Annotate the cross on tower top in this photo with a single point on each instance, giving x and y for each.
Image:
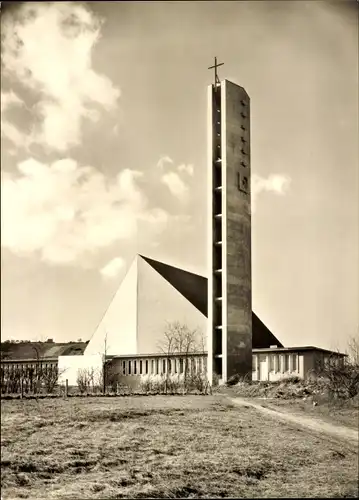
(216, 79)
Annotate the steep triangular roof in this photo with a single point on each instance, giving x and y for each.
(194, 288)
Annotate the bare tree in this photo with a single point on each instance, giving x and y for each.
(353, 350)
(179, 339)
(340, 376)
(50, 377)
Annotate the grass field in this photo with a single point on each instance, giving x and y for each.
(163, 447)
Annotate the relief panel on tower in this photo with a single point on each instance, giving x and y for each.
(243, 181)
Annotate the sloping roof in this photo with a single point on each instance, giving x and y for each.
(30, 350)
(194, 288)
(301, 349)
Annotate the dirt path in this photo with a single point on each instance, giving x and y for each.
(350, 436)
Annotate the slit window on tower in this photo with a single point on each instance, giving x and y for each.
(217, 341)
(218, 285)
(217, 177)
(218, 366)
(218, 257)
(217, 202)
(217, 230)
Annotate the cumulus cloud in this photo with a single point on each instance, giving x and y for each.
(9, 99)
(8, 129)
(65, 211)
(176, 185)
(274, 183)
(112, 268)
(48, 47)
(188, 169)
(163, 160)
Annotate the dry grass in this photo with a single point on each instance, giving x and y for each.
(163, 447)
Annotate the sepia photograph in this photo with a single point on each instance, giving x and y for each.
(179, 249)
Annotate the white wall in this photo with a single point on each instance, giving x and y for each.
(265, 371)
(120, 320)
(70, 365)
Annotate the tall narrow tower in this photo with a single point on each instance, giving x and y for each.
(229, 231)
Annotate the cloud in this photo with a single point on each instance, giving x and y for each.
(48, 47)
(8, 129)
(163, 160)
(188, 169)
(65, 211)
(9, 99)
(274, 183)
(176, 185)
(112, 268)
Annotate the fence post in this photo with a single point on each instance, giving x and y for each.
(66, 388)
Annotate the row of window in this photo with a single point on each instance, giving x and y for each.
(27, 366)
(162, 366)
(279, 362)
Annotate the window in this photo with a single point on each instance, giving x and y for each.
(135, 367)
(123, 367)
(286, 362)
(294, 366)
(193, 365)
(243, 164)
(243, 102)
(157, 366)
(169, 366)
(181, 365)
(254, 363)
(146, 366)
(129, 367)
(141, 367)
(175, 365)
(163, 366)
(271, 362)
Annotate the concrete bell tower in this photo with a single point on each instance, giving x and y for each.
(229, 231)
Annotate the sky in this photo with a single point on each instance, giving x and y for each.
(103, 155)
